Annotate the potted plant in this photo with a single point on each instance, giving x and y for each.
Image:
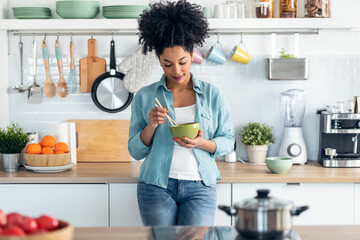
(257, 137)
(12, 141)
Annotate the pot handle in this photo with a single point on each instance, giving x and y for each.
(229, 210)
(298, 210)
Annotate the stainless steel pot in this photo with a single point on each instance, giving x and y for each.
(263, 216)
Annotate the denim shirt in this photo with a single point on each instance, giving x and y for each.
(213, 114)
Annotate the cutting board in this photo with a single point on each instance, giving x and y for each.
(90, 67)
(102, 140)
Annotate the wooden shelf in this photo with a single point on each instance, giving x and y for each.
(229, 26)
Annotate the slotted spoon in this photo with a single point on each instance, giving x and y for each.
(62, 89)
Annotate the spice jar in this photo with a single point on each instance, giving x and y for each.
(317, 8)
(288, 8)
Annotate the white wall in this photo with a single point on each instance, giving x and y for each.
(334, 76)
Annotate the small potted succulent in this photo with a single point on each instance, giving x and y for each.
(257, 137)
(12, 141)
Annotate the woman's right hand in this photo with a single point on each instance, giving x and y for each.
(157, 116)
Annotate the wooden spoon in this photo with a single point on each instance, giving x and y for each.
(49, 87)
(61, 86)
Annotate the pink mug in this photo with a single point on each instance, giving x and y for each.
(197, 57)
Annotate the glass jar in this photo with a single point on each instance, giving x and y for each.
(271, 6)
(317, 8)
(288, 8)
(262, 9)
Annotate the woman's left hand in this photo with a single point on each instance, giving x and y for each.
(191, 143)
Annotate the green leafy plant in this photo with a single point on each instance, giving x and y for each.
(256, 133)
(283, 54)
(12, 139)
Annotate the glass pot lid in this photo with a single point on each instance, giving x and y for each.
(262, 202)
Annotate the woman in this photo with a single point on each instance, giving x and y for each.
(177, 181)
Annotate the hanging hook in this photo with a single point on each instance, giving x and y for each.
(57, 37)
(92, 35)
(33, 37)
(71, 37)
(112, 35)
(218, 37)
(241, 39)
(20, 37)
(44, 37)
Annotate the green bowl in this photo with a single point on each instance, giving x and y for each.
(279, 164)
(189, 130)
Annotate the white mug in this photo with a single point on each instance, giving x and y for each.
(231, 157)
(219, 11)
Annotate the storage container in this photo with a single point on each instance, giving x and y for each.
(317, 8)
(288, 8)
(264, 8)
(288, 68)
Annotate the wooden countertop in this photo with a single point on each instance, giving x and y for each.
(237, 172)
(132, 233)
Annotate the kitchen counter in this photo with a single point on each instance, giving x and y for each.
(132, 233)
(237, 172)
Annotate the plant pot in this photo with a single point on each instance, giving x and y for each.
(257, 153)
(10, 161)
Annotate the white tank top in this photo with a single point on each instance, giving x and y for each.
(184, 164)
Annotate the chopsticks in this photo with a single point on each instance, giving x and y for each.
(172, 122)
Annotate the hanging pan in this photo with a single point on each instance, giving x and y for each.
(107, 91)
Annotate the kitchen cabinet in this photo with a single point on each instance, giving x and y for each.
(223, 197)
(357, 204)
(84, 205)
(323, 200)
(124, 210)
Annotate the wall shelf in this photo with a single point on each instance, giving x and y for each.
(223, 26)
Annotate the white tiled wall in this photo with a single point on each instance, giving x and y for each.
(334, 76)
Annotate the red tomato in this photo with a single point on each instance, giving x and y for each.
(13, 231)
(47, 222)
(28, 224)
(13, 218)
(3, 219)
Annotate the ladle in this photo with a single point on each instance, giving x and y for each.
(21, 87)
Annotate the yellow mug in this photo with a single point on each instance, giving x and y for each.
(239, 55)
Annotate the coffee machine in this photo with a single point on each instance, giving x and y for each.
(338, 139)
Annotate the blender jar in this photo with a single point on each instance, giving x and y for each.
(293, 102)
(317, 8)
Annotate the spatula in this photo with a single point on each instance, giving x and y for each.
(72, 83)
(34, 90)
(49, 87)
(62, 89)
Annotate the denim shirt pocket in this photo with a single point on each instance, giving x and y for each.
(206, 125)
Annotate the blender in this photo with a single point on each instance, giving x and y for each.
(293, 144)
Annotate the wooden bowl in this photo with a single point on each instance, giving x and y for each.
(65, 232)
(47, 160)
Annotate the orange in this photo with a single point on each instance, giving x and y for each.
(33, 148)
(47, 150)
(48, 141)
(61, 146)
(59, 152)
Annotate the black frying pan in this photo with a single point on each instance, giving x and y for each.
(107, 91)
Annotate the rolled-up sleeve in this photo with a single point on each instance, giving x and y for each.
(137, 149)
(224, 135)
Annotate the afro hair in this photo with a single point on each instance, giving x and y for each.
(169, 24)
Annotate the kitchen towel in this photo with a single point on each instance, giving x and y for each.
(66, 132)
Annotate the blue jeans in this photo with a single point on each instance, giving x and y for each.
(183, 202)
